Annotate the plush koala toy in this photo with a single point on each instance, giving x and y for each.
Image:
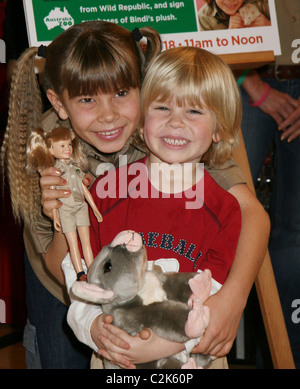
(168, 303)
(249, 12)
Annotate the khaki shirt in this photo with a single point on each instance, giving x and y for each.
(73, 175)
(37, 239)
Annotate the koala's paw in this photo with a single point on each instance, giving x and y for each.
(191, 364)
(198, 320)
(200, 286)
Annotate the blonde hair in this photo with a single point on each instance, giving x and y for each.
(196, 76)
(87, 58)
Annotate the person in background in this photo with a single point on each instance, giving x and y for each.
(271, 118)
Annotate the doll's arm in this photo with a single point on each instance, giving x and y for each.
(90, 200)
(56, 220)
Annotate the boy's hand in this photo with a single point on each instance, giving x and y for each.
(109, 340)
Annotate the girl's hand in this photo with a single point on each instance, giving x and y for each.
(260, 21)
(50, 178)
(236, 21)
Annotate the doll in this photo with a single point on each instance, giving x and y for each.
(61, 148)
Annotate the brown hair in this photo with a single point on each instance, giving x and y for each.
(90, 57)
(39, 156)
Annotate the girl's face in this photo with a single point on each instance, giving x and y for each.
(230, 7)
(62, 149)
(178, 134)
(105, 121)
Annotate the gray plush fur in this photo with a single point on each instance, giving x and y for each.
(141, 299)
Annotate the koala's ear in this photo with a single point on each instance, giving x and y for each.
(91, 292)
(131, 239)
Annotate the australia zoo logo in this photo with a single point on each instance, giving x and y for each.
(58, 18)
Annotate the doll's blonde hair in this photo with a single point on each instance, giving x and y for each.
(198, 77)
(87, 58)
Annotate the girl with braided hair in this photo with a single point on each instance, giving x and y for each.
(89, 68)
(92, 76)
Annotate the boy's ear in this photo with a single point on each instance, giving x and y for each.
(57, 104)
(216, 137)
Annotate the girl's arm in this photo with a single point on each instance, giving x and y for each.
(228, 304)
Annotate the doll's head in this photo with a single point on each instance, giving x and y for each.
(41, 149)
(200, 78)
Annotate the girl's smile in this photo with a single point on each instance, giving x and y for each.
(105, 121)
(230, 7)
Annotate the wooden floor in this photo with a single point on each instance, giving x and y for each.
(12, 352)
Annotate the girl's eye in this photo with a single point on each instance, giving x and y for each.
(86, 100)
(122, 93)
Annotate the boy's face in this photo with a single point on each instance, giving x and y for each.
(105, 121)
(230, 7)
(178, 134)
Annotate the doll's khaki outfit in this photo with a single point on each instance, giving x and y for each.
(74, 211)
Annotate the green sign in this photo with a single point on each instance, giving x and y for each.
(176, 21)
(51, 17)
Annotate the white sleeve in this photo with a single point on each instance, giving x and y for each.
(80, 314)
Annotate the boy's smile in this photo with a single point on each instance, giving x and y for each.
(178, 134)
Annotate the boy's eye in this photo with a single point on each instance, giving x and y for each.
(195, 111)
(162, 108)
